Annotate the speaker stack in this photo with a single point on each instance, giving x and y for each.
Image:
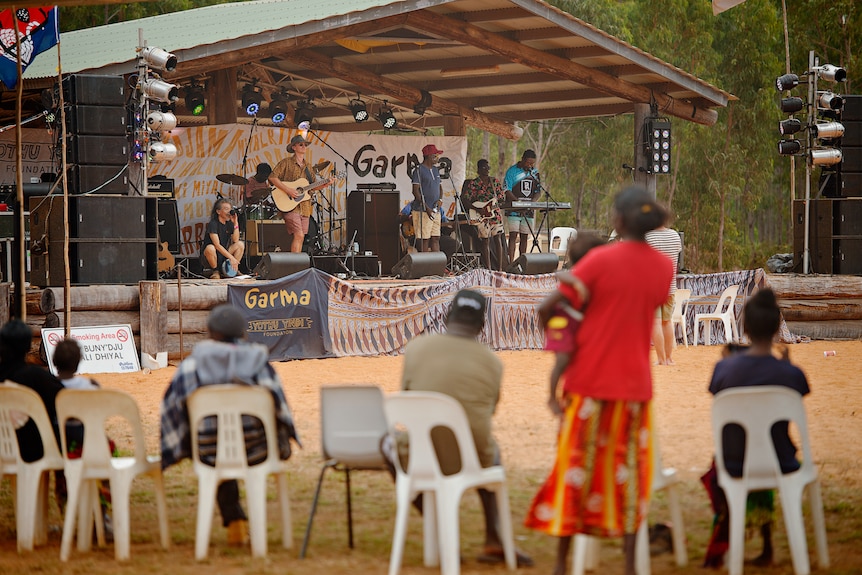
(372, 214)
(98, 142)
(112, 240)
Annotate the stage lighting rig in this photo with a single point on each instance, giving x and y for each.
(657, 139)
(358, 109)
(278, 107)
(161, 151)
(251, 98)
(304, 112)
(195, 101)
(158, 59)
(386, 117)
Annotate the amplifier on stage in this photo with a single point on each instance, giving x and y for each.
(160, 187)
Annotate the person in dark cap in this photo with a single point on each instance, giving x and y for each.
(427, 195)
(472, 375)
(257, 188)
(226, 357)
(286, 178)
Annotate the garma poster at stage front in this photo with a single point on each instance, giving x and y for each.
(289, 315)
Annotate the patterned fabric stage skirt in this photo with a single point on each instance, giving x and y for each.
(601, 480)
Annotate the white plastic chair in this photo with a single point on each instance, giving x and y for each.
(352, 423)
(756, 409)
(677, 318)
(560, 238)
(585, 552)
(93, 407)
(17, 403)
(726, 317)
(419, 412)
(228, 403)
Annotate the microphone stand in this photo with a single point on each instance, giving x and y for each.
(331, 211)
(347, 163)
(245, 153)
(350, 272)
(548, 201)
(459, 240)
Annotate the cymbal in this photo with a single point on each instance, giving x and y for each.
(321, 165)
(232, 179)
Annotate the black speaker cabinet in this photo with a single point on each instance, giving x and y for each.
(279, 264)
(99, 150)
(847, 217)
(851, 185)
(852, 110)
(819, 218)
(94, 216)
(95, 90)
(264, 236)
(98, 120)
(534, 264)
(87, 178)
(851, 159)
(373, 216)
(169, 225)
(415, 266)
(847, 256)
(96, 262)
(852, 133)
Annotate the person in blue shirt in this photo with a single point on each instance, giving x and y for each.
(427, 192)
(521, 183)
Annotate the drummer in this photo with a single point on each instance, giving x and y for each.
(257, 188)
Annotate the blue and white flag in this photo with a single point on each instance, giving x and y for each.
(32, 30)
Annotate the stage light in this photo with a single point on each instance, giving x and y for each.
(304, 112)
(831, 73)
(786, 82)
(825, 156)
(830, 101)
(278, 107)
(423, 104)
(791, 105)
(159, 59)
(251, 98)
(789, 147)
(789, 126)
(359, 110)
(829, 130)
(657, 141)
(195, 99)
(386, 117)
(161, 151)
(158, 121)
(161, 91)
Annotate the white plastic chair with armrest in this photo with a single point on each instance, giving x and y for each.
(585, 555)
(352, 423)
(420, 412)
(229, 403)
(560, 238)
(680, 305)
(17, 403)
(756, 410)
(93, 407)
(726, 317)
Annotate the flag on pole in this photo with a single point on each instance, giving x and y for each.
(719, 6)
(34, 29)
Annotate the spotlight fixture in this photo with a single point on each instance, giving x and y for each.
(161, 91)
(304, 112)
(829, 130)
(158, 121)
(358, 109)
(786, 82)
(278, 107)
(159, 59)
(251, 98)
(789, 126)
(161, 151)
(195, 99)
(830, 101)
(831, 73)
(791, 105)
(789, 147)
(657, 141)
(386, 117)
(824, 156)
(423, 104)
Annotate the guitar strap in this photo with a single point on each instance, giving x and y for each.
(308, 174)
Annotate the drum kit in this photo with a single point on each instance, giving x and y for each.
(259, 206)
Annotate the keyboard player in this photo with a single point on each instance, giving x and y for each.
(521, 183)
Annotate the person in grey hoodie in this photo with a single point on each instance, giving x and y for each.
(226, 357)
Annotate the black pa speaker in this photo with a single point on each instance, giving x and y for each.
(534, 264)
(415, 266)
(169, 225)
(279, 264)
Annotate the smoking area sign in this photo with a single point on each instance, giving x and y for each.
(104, 349)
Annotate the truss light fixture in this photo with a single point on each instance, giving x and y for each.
(195, 102)
(658, 140)
(158, 121)
(824, 156)
(386, 117)
(830, 101)
(161, 151)
(791, 105)
(831, 73)
(423, 104)
(789, 126)
(789, 147)
(278, 107)
(786, 82)
(304, 112)
(251, 98)
(161, 91)
(358, 109)
(829, 130)
(159, 59)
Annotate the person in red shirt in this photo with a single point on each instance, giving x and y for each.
(600, 483)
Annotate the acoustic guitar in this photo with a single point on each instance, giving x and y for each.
(285, 203)
(166, 259)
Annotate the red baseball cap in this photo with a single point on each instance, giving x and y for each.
(430, 149)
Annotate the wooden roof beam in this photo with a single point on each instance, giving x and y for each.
(408, 95)
(538, 60)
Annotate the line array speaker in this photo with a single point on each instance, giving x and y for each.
(415, 266)
(99, 150)
(98, 90)
(98, 120)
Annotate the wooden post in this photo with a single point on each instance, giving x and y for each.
(5, 301)
(154, 324)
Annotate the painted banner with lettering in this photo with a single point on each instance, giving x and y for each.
(289, 316)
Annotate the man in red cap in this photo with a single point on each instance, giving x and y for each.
(427, 194)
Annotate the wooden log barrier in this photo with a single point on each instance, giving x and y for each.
(154, 324)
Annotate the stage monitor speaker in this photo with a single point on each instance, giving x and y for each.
(97, 90)
(100, 150)
(279, 264)
(415, 266)
(169, 225)
(373, 216)
(102, 179)
(98, 120)
(534, 264)
(265, 236)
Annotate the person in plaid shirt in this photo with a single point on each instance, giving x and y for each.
(224, 358)
(482, 197)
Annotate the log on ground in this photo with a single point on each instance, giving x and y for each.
(839, 329)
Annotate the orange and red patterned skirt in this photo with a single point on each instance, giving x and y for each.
(601, 480)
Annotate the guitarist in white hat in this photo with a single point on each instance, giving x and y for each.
(291, 178)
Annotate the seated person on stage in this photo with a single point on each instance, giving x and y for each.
(408, 232)
(226, 357)
(257, 188)
(221, 241)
